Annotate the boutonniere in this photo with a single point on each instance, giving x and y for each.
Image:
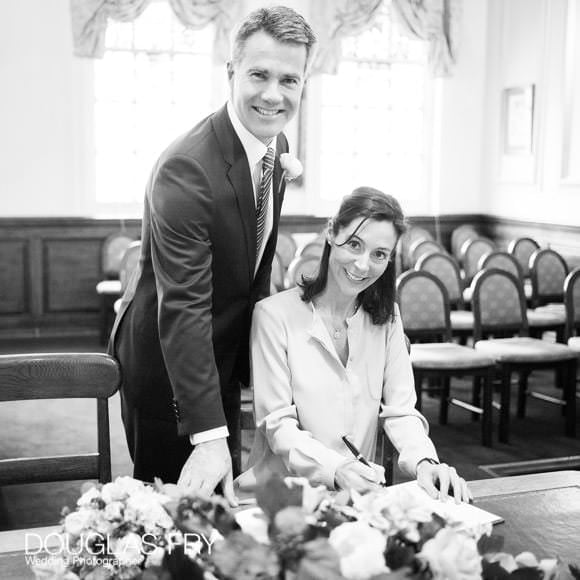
(291, 168)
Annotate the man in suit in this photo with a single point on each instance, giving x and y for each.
(209, 233)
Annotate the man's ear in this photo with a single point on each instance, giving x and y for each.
(230, 69)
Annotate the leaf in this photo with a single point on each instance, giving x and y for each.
(493, 571)
(490, 544)
(275, 495)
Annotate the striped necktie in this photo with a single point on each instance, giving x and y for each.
(263, 196)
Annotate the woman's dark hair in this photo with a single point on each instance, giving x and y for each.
(371, 204)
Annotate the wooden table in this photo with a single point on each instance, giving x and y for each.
(541, 512)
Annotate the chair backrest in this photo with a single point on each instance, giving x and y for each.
(459, 236)
(424, 306)
(129, 263)
(471, 252)
(278, 272)
(522, 250)
(313, 248)
(548, 270)
(60, 376)
(302, 267)
(446, 268)
(412, 235)
(498, 304)
(422, 247)
(285, 248)
(572, 302)
(112, 251)
(502, 261)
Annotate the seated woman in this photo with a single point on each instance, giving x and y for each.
(329, 359)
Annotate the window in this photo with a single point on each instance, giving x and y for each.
(372, 119)
(152, 85)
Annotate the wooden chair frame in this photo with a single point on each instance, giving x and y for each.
(60, 376)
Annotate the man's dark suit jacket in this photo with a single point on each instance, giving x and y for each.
(183, 328)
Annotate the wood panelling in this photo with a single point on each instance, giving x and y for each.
(71, 267)
(49, 267)
(14, 287)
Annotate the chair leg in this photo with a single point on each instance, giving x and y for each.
(476, 396)
(104, 441)
(487, 418)
(504, 414)
(570, 398)
(444, 403)
(522, 393)
(418, 389)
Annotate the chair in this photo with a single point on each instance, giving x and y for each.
(109, 289)
(548, 270)
(302, 266)
(277, 273)
(471, 252)
(412, 235)
(459, 236)
(446, 268)
(424, 306)
(540, 319)
(572, 303)
(60, 376)
(313, 248)
(499, 309)
(130, 262)
(420, 248)
(285, 248)
(522, 249)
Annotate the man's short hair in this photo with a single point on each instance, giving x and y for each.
(280, 22)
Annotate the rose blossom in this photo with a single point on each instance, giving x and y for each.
(121, 488)
(87, 497)
(149, 506)
(361, 550)
(291, 166)
(128, 550)
(452, 556)
(77, 521)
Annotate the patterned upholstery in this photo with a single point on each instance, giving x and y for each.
(422, 303)
(472, 252)
(524, 350)
(412, 235)
(522, 249)
(499, 301)
(548, 271)
(446, 269)
(459, 236)
(285, 248)
(572, 304)
(422, 248)
(502, 261)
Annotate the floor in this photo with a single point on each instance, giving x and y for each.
(61, 427)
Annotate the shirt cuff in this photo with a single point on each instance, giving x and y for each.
(210, 435)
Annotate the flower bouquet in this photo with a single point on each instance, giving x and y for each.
(129, 530)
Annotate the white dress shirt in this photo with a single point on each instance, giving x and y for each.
(255, 151)
(305, 399)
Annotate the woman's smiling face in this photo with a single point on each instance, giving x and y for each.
(358, 259)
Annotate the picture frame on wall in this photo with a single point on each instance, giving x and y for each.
(518, 120)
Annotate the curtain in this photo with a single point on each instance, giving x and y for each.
(89, 20)
(435, 21)
(333, 20)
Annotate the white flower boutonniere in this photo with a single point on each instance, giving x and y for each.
(291, 168)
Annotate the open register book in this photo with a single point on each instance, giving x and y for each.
(468, 515)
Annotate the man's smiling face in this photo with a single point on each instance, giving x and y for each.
(266, 84)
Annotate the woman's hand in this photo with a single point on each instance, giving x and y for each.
(355, 475)
(441, 481)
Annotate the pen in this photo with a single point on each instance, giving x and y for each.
(355, 451)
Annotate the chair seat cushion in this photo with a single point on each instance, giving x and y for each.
(540, 317)
(574, 343)
(447, 356)
(109, 287)
(524, 350)
(461, 320)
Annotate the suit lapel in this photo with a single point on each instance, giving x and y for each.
(240, 180)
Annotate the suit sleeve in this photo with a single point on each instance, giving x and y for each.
(404, 425)
(181, 217)
(276, 413)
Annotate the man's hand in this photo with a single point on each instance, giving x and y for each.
(354, 475)
(208, 464)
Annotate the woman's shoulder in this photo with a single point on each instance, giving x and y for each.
(285, 303)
